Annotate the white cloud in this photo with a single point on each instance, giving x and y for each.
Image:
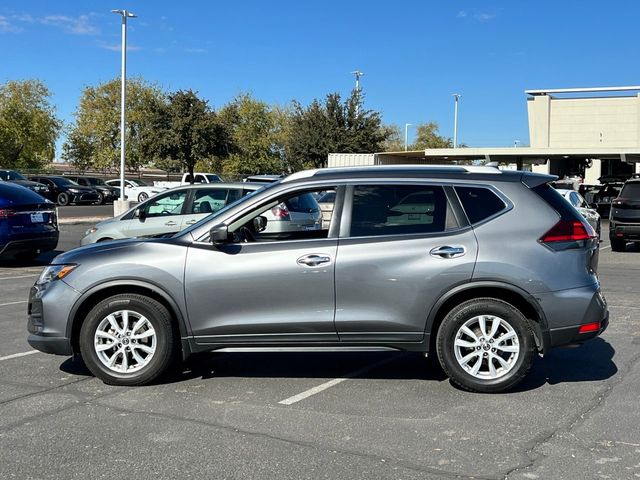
(461, 14)
(196, 50)
(73, 25)
(117, 47)
(7, 27)
(484, 17)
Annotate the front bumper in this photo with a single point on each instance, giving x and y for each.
(48, 315)
(84, 197)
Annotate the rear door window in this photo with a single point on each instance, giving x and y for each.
(479, 203)
(398, 209)
(210, 200)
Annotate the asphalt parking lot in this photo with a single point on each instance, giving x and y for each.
(318, 415)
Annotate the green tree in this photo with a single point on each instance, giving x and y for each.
(28, 125)
(427, 136)
(394, 141)
(94, 139)
(188, 132)
(333, 126)
(258, 134)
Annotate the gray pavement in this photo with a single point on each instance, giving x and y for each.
(575, 416)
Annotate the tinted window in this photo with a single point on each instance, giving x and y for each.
(574, 199)
(304, 203)
(479, 203)
(631, 190)
(328, 197)
(10, 175)
(398, 209)
(63, 182)
(11, 194)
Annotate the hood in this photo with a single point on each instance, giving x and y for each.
(78, 254)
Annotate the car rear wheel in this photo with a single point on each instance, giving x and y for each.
(128, 339)
(63, 199)
(142, 197)
(618, 245)
(485, 345)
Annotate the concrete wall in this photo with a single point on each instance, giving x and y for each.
(351, 159)
(584, 122)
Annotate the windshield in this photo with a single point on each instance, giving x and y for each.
(62, 181)
(213, 178)
(631, 190)
(10, 175)
(139, 183)
(208, 218)
(95, 181)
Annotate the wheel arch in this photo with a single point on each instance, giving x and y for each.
(99, 292)
(512, 294)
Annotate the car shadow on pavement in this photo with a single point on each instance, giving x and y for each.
(590, 362)
(371, 365)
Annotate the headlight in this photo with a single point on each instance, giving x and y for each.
(73, 190)
(55, 272)
(90, 231)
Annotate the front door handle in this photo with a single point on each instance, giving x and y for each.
(447, 251)
(171, 223)
(314, 260)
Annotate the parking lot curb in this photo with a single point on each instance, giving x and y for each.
(76, 220)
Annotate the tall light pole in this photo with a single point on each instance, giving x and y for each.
(406, 135)
(358, 74)
(456, 97)
(123, 97)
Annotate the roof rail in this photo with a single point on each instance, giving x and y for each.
(369, 168)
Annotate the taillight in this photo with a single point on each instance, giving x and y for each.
(569, 231)
(589, 327)
(6, 213)
(280, 211)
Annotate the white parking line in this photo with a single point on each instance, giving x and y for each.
(20, 276)
(334, 382)
(12, 303)
(604, 248)
(16, 355)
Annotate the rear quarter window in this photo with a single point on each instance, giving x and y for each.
(479, 203)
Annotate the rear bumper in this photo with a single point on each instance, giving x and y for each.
(571, 335)
(43, 244)
(624, 231)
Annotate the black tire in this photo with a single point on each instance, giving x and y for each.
(166, 346)
(28, 255)
(457, 317)
(618, 245)
(62, 199)
(142, 197)
(101, 199)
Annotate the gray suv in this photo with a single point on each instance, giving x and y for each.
(484, 268)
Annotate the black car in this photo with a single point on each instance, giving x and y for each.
(64, 191)
(28, 222)
(106, 192)
(14, 177)
(624, 221)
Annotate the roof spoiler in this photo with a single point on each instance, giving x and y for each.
(534, 179)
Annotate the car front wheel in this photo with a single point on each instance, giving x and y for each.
(128, 339)
(63, 199)
(485, 345)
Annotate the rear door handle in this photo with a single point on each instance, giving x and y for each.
(314, 260)
(447, 251)
(191, 222)
(171, 223)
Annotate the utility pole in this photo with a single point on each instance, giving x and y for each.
(357, 74)
(123, 205)
(456, 97)
(406, 135)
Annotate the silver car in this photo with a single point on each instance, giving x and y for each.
(590, 214)
(483, 269)
(169, 212)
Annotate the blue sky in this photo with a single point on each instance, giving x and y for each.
(414, 54)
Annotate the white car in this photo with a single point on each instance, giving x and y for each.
(136, 190)
(590, 214)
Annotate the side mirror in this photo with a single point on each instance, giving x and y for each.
(259, 223)
(142, 214)
(219, 234)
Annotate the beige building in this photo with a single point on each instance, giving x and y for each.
(585, 132)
